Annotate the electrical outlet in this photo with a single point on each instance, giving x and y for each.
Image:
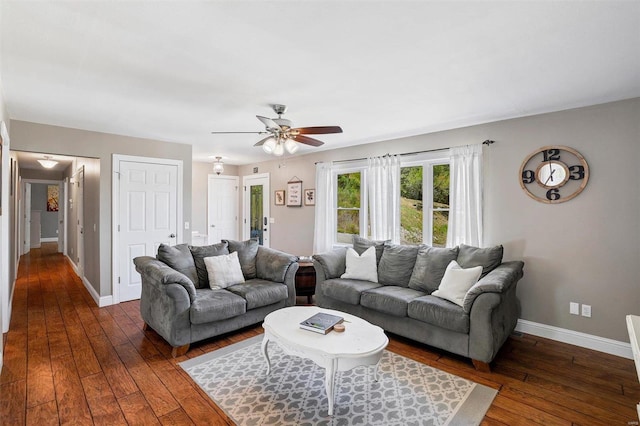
(574, 308)
(586, 311)
(186, 225)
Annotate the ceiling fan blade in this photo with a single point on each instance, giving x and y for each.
(269, 122)
(318, 130)
(233, 133)
(263, 140)
(307, 140)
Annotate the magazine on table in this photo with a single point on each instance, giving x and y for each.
(321, 323)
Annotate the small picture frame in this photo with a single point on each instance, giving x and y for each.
(294, 193)
(310, 197)
(279, 197)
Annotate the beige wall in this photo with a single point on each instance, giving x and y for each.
(584, 250)
(26, 136)
(201, 171)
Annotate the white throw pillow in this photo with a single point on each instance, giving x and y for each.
(224, 270)
(456, 282)
(361, 267)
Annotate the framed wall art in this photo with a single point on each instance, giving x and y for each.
(279, 197)
(309, 197)
(294, 193)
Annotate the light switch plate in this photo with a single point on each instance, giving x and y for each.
(186, 225)
(574, 308)
(586, 311)
(272, 220)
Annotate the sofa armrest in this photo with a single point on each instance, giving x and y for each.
(158, 273)
(500, 280)
(333, 263)
(273, 264)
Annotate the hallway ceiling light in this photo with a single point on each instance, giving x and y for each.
(47, 163)
(218, 166)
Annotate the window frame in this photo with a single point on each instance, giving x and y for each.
(428, 160)
(364, 201)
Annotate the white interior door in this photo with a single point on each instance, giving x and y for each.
(147, 217)
(27, 218)
(255, 221)
(222, 208)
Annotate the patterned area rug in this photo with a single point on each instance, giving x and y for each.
(408, 392)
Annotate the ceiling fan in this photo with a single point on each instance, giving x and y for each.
(282, 134)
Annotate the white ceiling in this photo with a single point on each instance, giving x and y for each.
(175, 71)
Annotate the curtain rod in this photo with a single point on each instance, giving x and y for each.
(488, 142)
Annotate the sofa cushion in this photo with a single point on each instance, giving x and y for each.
(361, 267)
(360, 245)
(389, 299)
(259, 292)
(396, 264)
(199, 253)
(179, 258)
(457, 282)
(247, 251)
(215, 305)
(439, 312)
(431, 263)
(346, 290)
(223, 270)
(489, 258)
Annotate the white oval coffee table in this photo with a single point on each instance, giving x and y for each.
(361, 344)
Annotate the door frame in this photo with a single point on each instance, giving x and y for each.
(246, 180)
(22, 208)
(211, 177)
(115, 209)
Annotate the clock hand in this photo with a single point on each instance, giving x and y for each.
(550, 177)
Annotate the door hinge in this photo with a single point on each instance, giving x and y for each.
(245, 188)
(118, 280)
(118, 228)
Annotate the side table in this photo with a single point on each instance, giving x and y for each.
(306, 280)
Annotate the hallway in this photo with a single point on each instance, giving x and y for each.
(70, 362)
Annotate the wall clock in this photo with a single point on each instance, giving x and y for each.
(554, 174)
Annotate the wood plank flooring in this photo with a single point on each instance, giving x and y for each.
(67, 361)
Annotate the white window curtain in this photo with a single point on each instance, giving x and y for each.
(383, 181)
(465, 210)
(325, 223)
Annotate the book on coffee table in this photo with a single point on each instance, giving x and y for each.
(321, 323)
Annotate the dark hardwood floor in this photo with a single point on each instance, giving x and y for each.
(67, 361)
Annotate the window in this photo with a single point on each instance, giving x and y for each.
(349, 201)
(424, 215)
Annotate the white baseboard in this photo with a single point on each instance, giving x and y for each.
(49, 240)
(577, 338)
(101, 301)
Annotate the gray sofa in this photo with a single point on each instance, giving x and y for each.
(401, 302)
(178, 303)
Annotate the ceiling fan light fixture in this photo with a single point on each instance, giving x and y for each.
(269, 146)
(218, 166)
(291, 146)
(278, 150)
(47, 163)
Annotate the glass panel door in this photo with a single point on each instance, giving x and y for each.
(256, 217)
(256, 201)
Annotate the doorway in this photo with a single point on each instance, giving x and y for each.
(256, 204)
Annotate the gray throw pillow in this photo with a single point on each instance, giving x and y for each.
(247, 251)
(199, 253)
(489, 258)
(396, 264)
(179, 258)
(360, 245)
(430, 266)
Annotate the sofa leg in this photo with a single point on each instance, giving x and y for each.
(481, 366)
(145, 327)
(179, 350)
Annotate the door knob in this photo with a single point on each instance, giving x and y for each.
(172, 236)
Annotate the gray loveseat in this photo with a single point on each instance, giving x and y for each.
(401, 302)
(178, 303)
